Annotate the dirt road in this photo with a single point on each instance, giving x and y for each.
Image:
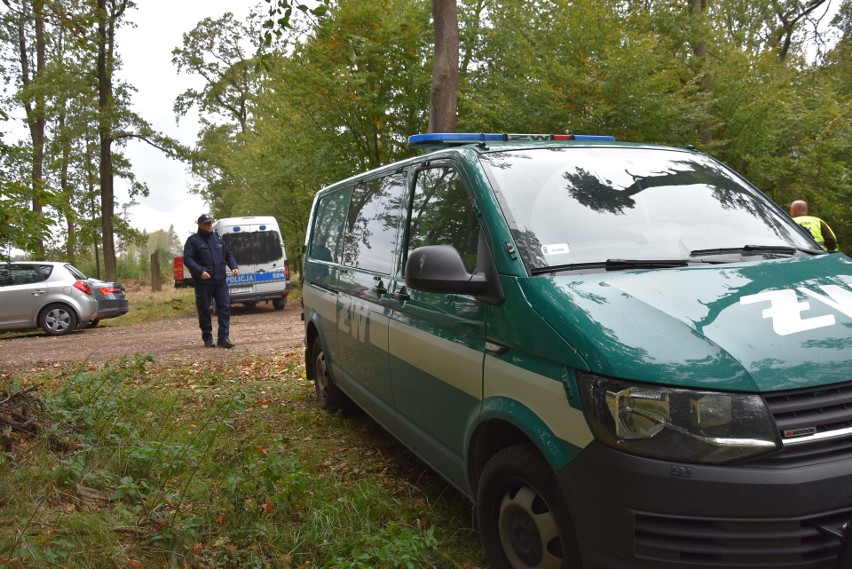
(259, 330)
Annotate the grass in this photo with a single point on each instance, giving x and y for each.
(147, 305)
(224, 465)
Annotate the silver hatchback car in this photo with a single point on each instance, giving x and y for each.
(55, 297)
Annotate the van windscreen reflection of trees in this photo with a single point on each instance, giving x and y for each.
(373, 223)
(442, 214)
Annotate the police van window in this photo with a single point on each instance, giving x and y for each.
(327, 236)
(373, 223)
(441, 214)
(254, 247)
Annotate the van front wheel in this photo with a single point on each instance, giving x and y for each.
(523, 519)
(329, 396)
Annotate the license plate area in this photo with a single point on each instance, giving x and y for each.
(240, 289)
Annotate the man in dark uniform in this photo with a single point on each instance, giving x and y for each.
(206, 256)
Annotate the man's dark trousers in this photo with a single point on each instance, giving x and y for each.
(204, 295)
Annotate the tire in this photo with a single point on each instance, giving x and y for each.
(57, 319)
(93, 323)
(279, 303)
(329, 396)
(523, 519)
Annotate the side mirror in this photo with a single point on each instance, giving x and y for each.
(439, 268)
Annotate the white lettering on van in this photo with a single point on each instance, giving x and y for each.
(353, 318)
(838, 298)
(786, 309)
(359, 321)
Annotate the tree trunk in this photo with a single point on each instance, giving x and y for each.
(445, 69)
(105, 40)
(35, 110)
(699, 31)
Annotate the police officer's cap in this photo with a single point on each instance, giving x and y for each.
(205, 218)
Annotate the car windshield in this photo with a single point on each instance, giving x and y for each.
(574, 206)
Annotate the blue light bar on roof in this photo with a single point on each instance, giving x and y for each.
(441, 139)
(594, 137)
(445, 139)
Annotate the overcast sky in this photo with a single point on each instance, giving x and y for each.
(146, 53)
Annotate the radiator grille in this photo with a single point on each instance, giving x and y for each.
(806, 543)
(820, 411)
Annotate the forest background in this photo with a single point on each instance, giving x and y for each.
(288, 106)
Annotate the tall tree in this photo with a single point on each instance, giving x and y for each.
(224, 53)
(443, 104)
(29, 15)
(445, 67)
(108, 14)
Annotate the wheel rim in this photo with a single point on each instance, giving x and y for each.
(57, 320)
(323, 380)
(528, 530)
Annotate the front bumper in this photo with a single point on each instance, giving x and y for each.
(638, 513)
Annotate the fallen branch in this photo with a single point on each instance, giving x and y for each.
(22, 412)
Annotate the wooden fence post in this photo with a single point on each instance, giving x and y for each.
(156, 281)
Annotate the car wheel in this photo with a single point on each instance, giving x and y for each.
(329, 396)
(523, 519)
(279, 303)
(57, 319)
(94, 323)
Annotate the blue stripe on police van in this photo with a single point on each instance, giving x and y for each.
(252, 278)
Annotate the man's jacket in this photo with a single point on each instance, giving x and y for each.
(207, 252)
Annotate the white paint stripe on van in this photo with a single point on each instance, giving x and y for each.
(543, 395)
(379, 330)
(323, 302)
(448, 361)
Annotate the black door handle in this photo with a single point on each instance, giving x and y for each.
(380, 289)
(402, 295)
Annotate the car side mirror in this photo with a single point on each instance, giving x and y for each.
(440, 268)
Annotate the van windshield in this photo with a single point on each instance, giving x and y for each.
(575, 206)
(254, 247)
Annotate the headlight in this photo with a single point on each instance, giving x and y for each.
(677, 424)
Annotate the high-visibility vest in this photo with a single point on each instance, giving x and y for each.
(814, 227)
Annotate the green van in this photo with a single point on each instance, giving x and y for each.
(625, 355)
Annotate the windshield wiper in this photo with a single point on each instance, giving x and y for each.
(614, 265)
(754, 250)
(621, 264)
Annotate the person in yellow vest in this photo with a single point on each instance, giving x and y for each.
(820, 230)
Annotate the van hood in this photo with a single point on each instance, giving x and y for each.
(761, 326)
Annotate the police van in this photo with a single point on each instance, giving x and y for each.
(256, 244)
(625, 355)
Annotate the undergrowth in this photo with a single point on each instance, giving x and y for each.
(221, 465)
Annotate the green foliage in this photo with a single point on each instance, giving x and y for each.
(303, 95)
(345, 88)
(392, 546)
(140, 463)
(343, 101)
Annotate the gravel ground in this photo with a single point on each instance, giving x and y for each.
(258, 330)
